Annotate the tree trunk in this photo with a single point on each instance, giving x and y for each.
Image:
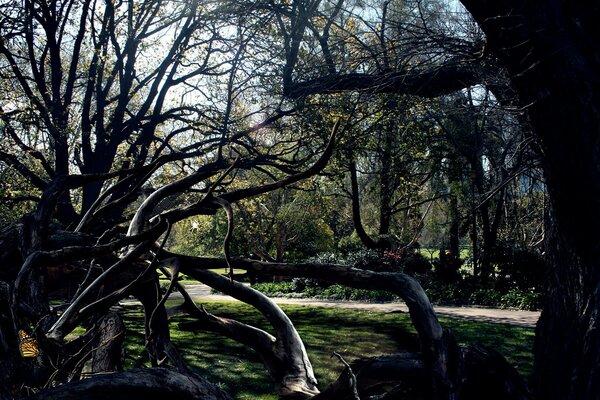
(486, 375)
(108, 343)
(10, 360)
(369, 242)
(386, 187)
(454, 226)
(567, 347)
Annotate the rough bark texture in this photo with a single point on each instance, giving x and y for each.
(10, 361)
(551, 52)
(486, 375)
(375, 376)
(107, 344)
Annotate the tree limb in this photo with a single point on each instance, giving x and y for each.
(144, 383)
(449, 77)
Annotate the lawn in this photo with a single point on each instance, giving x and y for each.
(351, 333)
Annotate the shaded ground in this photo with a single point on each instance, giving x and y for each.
(511, 317)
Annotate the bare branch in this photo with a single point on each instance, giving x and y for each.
(447, 78)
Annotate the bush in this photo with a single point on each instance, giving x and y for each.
(276, 289)
(446, 293)
(306, 288)
(522, 300)
(485, 297)
(517, 267)
(350, 244)
(464, 291)
(469, 291)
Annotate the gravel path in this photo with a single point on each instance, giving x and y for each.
(512, 317)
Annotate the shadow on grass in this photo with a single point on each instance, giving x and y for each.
(351, 333)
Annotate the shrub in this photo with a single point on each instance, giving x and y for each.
(275, 288)
(518, 267)
(465, 291)
(485, 297)
(523, 300)
(446, 293)
(301, 287)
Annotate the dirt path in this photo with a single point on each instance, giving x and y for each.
(512, 317)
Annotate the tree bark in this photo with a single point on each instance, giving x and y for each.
(107, 344)
(486, 375)
(136, 383)
(369, 242)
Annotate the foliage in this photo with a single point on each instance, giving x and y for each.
(521, 268)
(301, 225)
(402, 260)
(350, 244)
(120, 121)
(279, 224)
(459, 293)
(322, 291)
(471, 291)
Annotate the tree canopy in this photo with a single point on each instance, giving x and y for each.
(175, 137)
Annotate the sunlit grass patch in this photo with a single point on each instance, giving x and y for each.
(513, 342)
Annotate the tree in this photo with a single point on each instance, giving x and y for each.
(97, 111)
(108, 118)
(555, 75)
(487, 151)
(393, 156)
(550, 60)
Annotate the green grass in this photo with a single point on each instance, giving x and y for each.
(351, 333)
(184, 279)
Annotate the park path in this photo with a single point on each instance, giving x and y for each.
(512, 317)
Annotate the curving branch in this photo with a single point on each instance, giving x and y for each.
(436, 345)
(145, 383)
(285, 357)
(227, 240)
(77, 310)
(369, 242)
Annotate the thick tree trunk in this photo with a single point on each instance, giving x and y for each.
(107, 344)
(567, 348)
(10, 360)
(486, 375)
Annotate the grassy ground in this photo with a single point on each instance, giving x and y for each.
(351, 333)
